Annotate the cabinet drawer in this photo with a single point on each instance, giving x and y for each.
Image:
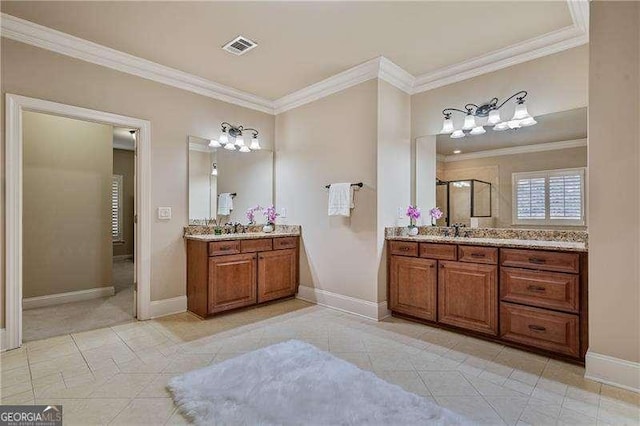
(553, 290)
(544, 260)
(552, 331)
(252, 246)
(438, 251)
(403, 248)
(285, 243)
(477, 254)
(217, 248)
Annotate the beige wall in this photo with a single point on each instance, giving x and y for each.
(66, 205)
(555, 83)
(394, 157)
(124, 164)
(498, 171)
(614, 178)
(173, 114)
(332, 140)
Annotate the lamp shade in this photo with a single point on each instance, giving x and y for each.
(501, 126)
(529, 121)
(478, 130)
(239, 141)
(447, 126)
(230, 147)
(457, 134)
(244, 148)
(224, 138)
(255, 144)
(520, 112)
(214, 143)
(494, 117)
(514, 124)
(469, 122)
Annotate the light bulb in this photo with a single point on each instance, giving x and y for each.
(244, 148)
(255, 144)
(457, 151)
(457, 134)
(501, 126)
(529, 121)
(214, 170)
(214, 143)
(239, 141)
(478, 130)
(520, 112)
(494, 117)
(469, 122)
(224, 138)
(447, 126)
(230, 147)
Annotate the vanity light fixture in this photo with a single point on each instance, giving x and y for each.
(491, 110)
(235, 132)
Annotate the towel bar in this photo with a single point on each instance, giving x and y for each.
(233, 194)
(359, 185)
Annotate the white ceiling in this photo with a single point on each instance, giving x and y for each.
(559, 126)
(300, 43)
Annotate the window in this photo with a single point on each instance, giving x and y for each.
(552, 197)
(116, 209)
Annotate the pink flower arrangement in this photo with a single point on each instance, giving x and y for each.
(435, 214)
(413, 213)
(251, 214)
(271, 215)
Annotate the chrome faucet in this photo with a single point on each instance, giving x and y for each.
(456, 227)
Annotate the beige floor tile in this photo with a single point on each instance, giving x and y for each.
(13, 359)
(359, 359)
(88, 411)
(177, 419)
(487, 388)
(95, 338)
(619, 394)
(154, 363)
(73, 364)
(23, 398)
(117, 352)
(384, 361)
(187, 362)
(573, 418)
(616, 412)
(474, 408)
(508, 408)
(123, 386)
(538, 417)
(55, 351)
(47, 343)
(589, 409)
(145, 411)
(157, 388)
(408, 380)
(447, 383)
(13, 377)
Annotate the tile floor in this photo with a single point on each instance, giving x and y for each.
(117, 375)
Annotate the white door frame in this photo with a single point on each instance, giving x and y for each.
(15, 105)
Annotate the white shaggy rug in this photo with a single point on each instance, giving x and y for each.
(294, 383)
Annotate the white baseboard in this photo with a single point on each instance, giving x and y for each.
(3, 340)
(352, 305)
(175, 305)
(613, 371)
(123, 257)
(71, 296)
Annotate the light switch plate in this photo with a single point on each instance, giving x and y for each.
(400, 213)
(283, 212)
(164, 213)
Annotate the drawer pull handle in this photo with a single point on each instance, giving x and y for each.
(537, 260)
(537, 288)
(477, 255)
(534, 327)
(404, 248)
(225, 248)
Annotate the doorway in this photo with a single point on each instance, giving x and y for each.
(16, 108)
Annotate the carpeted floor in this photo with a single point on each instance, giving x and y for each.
(49, 321)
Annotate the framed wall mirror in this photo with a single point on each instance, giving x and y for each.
(223, 184)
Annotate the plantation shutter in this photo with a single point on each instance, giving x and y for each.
(116, 208)
(565, 196)
(530, 198)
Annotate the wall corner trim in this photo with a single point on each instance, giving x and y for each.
(164, 307)
(612, 371)
(363, 308)
(67, 297)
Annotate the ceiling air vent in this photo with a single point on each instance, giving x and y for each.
(239, 45)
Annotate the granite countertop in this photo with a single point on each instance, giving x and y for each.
(245, 236)
(497, 242)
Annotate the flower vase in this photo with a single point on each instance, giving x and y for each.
(412, 230)
(267, 228)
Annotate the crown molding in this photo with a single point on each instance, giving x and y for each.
(40, 36)
(525, 149)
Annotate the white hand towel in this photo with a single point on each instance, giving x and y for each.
(225, 204)
(340, 199)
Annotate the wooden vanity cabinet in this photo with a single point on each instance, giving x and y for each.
(226, 275)
(529, 298)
